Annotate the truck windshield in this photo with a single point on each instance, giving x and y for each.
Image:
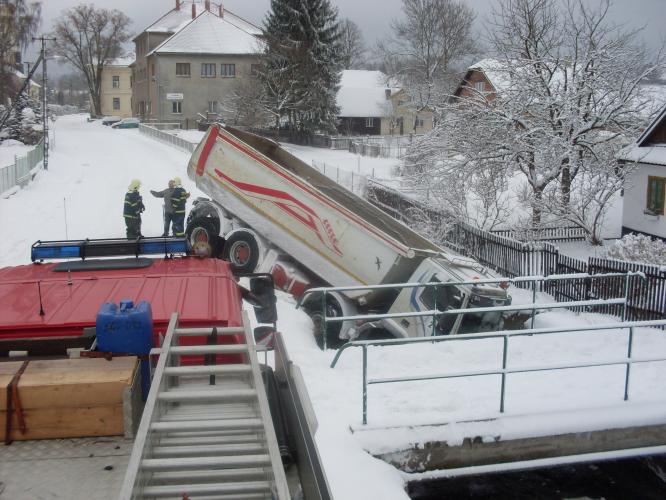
(446, 297)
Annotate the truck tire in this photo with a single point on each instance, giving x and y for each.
(242, 250)
(312, 308)
(202, 235)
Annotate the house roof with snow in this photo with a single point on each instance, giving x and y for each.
(650, 147)
(122, 61)
(363, 94)
(177, 18)
(210, 34)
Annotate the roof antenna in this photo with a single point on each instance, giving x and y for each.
(69, 269)
(39, 290)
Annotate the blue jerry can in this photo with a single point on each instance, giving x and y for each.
(126, 329)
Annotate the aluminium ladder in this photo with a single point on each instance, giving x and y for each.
(206, 430)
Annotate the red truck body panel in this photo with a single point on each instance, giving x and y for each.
(202, 291)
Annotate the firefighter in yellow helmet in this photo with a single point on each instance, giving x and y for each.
(178, 200)
(133, 209)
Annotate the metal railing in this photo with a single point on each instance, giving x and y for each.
(504, 371)
(435, 313)
(20, 173)
(156, 131)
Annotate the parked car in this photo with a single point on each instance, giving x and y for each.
(127, 123)
(110, 120)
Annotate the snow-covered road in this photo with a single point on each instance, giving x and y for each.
(82, 193)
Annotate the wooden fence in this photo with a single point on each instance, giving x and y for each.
(565, 233)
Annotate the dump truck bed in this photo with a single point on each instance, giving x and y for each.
(336, 234)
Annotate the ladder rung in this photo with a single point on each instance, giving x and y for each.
(207, 450)
(207, 369)
(235, 461)
(208, 349)
(207, 395)
(226, 439)
(207, 489)
(212, 475)
(207, 425)
(227, 330)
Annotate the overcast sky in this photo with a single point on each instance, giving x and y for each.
(372, 16)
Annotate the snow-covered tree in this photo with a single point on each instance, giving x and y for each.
(301, 63)
(567, 98)
(19, 20)
(429, 38)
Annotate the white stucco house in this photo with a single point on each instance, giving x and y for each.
(645, 189)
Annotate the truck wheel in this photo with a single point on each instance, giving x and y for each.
(313, 308)
(202, 235)
(242, 250)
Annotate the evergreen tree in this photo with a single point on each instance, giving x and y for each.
(15, 123)
(302, 64)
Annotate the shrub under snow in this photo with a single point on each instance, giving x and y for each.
(638, 248)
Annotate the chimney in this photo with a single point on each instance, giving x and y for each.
(194, 11)
(207, 4)
(177, 4)
(221, 10)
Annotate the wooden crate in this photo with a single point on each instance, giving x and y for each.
(74, 397)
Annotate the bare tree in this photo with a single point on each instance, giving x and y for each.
(430, 37)
(89, 38)
(351, 45)
(19, 21)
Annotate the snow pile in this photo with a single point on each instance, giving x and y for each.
(638, 248)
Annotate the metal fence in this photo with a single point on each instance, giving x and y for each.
(21, 172)
(628, 361)
(157, 131)
(353, 181)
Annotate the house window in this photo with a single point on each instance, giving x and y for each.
(418, 122)
(227, 70)
(255, 70)
(212, 106)
(116, 103)
(183, 69)
(177, 107)
(152, 69)
(369, 122)
(115, 81)
(479, 86)
(207, 70)
(655, 195)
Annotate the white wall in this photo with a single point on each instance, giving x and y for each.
(635, 201)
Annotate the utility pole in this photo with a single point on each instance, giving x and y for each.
(45, 109)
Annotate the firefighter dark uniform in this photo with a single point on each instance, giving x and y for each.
(178, 200)
(132, 210)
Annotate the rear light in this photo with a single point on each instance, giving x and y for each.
(504, 285)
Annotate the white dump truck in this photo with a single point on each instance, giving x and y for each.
(271, 212)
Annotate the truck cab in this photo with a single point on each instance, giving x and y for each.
(446, 297)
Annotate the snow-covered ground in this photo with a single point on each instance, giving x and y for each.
(88, 176)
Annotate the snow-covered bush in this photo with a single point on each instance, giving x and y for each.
(638, 248)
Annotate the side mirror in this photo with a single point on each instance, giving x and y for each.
(263, 298)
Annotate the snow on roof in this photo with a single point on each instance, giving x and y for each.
(363, 94)
(210, 34)
(125, 60)
(175, 20)
(496, 72)
(654, 155)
